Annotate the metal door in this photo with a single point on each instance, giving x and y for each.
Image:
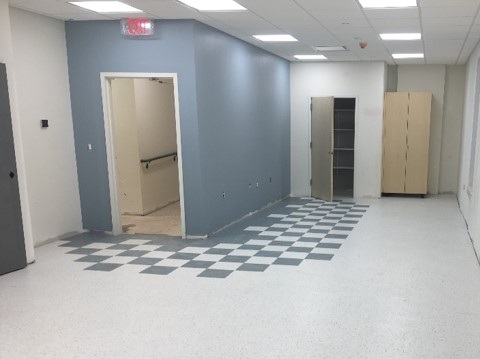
(12, 241)
(322, 148)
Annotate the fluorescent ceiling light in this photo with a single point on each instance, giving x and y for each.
(112, 7)
(410, 36)
(407, 56)
(330, 48)
(213, 5)
(386, 4)
(310, 57)
(275, 38)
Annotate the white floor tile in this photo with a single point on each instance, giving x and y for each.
(256, 229)
(225, 266)
(243, 252)
(136, 242)
(194, 250)
(261, 260)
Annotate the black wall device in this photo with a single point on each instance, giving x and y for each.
(44, 123)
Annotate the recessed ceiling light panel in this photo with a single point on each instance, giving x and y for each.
(110, 7)
(214, 5)
(330, 48)
(409, 36)
(408, 56)
(275, 38)
(310, 57)
(386, 4)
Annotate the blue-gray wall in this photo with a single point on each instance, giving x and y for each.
(243, 99)
(234, 113)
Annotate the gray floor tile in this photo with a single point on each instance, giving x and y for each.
(219, 251)
(234, 259)
(337, 236)
(104, 267)
(159, 270)
(288, 261)
(145, 261)
(198, 264)
(300, 249)
(249, 267)
(92, 259)
(320, 256)
(122, 247)
(83, 251)
(132, 253)
(253, 247)
(186, 256)
(215, 273)
(329, 245)
(271, 254)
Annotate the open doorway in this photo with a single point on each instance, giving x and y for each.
(332, 147)
(144, 153)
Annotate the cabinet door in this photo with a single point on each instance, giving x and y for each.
(418, 142)
(322, 148)
(394, 142)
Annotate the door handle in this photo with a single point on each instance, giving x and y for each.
(12, 175)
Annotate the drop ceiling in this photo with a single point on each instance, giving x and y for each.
(450, 28)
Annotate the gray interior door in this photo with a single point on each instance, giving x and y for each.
(322, 148)
(12, 242)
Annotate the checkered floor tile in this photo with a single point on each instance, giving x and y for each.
(298, 230)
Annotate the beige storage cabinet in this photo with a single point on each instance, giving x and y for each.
(406, 141)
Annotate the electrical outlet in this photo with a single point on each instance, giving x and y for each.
(270, 179)
(257, 184)
(223, 194)
(249, 186)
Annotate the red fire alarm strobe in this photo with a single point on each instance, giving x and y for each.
(138, 27)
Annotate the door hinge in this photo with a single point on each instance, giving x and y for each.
(310, 182)
(311, 107)
(311, 145)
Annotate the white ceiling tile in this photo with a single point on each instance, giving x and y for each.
(404, 47)
(447, 21)
(394, 23)
(453, 3)
(392, 14)
(446, 11)
(446, 30)
(166, 9)
(328, 4)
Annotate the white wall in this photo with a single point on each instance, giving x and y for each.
(469, 198)
(126, 146)
(366, 81)
(452, 128)
(43, 91)
(6, 56)
(431, 78)
(155, 104)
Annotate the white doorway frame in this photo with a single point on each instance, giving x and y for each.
(105, 78)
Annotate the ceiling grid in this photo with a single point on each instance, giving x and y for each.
(450, 28)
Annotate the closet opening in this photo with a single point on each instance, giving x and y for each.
(332, 148)
(344, 147)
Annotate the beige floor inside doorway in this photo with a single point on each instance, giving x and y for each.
(163, 221)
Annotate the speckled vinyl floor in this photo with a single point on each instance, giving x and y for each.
(405, 283)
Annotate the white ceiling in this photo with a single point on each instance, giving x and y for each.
(450, 28)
